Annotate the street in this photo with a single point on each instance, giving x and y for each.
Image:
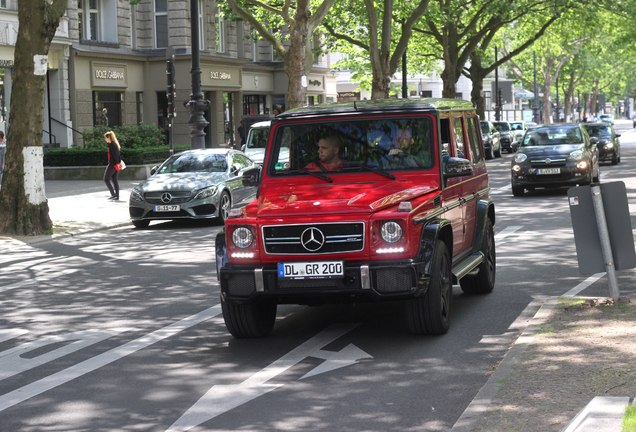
(121, 329)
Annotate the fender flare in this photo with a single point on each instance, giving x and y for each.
(485, 210)
(432, 232)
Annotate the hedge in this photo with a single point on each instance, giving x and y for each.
(75, 156)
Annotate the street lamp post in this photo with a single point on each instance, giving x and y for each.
(497, 97)
(197, 104)
(558, 106)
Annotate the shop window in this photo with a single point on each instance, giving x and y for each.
(162, 110)
(254, 104)
(108, 108)
(139, 102)
(161, 23)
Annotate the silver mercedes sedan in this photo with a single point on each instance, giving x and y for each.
(194, 184)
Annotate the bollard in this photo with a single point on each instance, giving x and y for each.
(599, 211)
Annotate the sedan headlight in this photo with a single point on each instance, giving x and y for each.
(520, 157)
(391, 232)
(576, 154)
(136, 194)
(609, 145)
(206, 192)
(242, 237)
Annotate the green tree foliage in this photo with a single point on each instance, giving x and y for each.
(289, 25)
(379, 31)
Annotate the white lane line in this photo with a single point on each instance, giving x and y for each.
(38, 387)
(586, 283)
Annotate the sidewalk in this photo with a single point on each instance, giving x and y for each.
(573, 369)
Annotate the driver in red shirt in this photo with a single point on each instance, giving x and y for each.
(328, 155)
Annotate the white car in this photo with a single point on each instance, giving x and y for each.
(256, 141)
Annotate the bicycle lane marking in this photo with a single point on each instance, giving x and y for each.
(38, 387)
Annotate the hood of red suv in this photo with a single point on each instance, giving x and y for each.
(337, 198)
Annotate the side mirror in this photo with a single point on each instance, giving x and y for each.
(457, 167)
(153, 170)
(243, 148)
(251, 176)
(618, 135)
(593, 140)
(235, 170)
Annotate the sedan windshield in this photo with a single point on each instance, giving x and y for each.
(194, 162)
(553, 136)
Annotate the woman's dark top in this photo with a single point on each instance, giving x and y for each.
(114, 157)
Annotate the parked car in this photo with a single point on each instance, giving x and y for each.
(532, 125)
(490, 136)
(195, 184)
(399, 217)
(606, 118)
(519, 128)
(554, 156)
(606, 139)
(256, 141)
(507, 136)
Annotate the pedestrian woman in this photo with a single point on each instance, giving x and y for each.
(114, 158)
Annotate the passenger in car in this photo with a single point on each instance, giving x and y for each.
(328, 155)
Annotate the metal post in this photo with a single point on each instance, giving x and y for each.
(197, 104)
(405, 87)
(497, 106)
(535, 101)
(558, 108)
(606, 248)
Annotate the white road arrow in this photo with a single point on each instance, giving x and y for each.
(222, 398)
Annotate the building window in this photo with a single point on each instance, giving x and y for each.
(108, 108)
(220, 30)
(139, 101)
(162, 110)
(426, 93)
(88, 15)
(254, 104)
(3, 4)
(202, 24)
(161, 23)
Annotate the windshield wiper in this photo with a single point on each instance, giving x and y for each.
(372, 169)
(313, 173)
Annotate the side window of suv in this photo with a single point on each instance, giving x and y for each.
(473, 136)
(458, 128)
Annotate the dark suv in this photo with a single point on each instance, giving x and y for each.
(363, 201)
(506, 135)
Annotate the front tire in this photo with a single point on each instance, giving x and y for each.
(430, 313)
(248, 320)
(484, 281)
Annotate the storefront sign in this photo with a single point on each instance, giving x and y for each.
(215, 76)
(108, 75)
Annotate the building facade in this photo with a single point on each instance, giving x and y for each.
(107, 66)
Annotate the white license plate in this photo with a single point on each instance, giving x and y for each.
(549, 171)
(167, 208)
(310, 270)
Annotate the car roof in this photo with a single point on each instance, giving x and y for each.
(205, 151)
(380, 105)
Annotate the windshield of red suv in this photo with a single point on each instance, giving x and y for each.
(349, 144)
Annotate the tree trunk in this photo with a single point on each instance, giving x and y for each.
(295, 64)
(23, 203)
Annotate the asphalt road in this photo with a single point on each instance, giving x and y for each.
(120, 329)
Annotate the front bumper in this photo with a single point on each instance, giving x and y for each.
(195, 209)
(569, 175)
(361, 281)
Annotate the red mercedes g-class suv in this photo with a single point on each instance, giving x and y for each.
(362, 201)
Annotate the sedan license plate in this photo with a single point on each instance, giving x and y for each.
(310, 270)
(167, 208)
(549, 171)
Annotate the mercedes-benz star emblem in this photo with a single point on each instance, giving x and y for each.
(312, 239)
(166, 197)
(548, 161)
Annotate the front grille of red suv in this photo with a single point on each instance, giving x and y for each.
(320, 238)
